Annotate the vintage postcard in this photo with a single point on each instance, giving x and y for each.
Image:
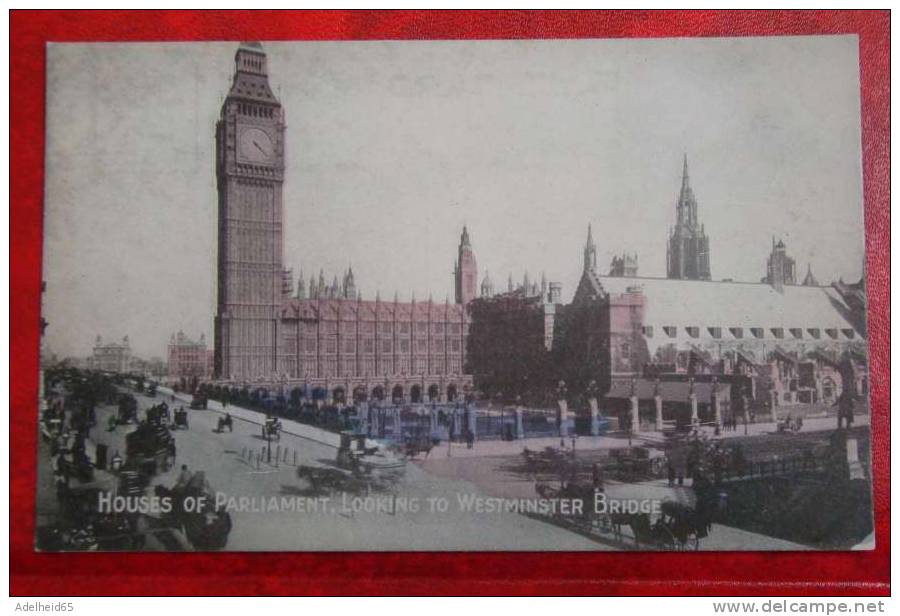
(454, 295)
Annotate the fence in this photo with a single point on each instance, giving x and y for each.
(539, 423)
(496, 425)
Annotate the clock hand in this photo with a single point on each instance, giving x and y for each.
(260, 149)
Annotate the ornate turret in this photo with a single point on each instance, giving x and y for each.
(349, 286)
(487, 285)
(466, 270)
(780, 268)
(687, 254)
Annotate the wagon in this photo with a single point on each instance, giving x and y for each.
(181, 419)
(639, 461)
(271, 430)
(150, 449)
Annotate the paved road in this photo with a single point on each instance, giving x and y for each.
(402, 521)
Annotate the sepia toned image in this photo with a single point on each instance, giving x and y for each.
(454, 295)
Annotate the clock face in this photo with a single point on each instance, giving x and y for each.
(256, 146)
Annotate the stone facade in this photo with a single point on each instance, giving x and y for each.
(324, 336)
(249, 175)
(377, 348)
(511, 342)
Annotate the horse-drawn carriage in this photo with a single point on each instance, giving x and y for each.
(271, 429)
(413, 446)
(325, 480)
(415, 441)
(206, 527)
(127, 410)
(158, 414)
(225, 422)
(677, 525)
(639, 461)
(549, 459)
(150, 448)
(358, 467)
(790, 424)
(199, 402)
(181, 419)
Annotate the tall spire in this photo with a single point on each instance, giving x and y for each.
(687, 254)
(686, 197)
(590, 252)
(810, 279)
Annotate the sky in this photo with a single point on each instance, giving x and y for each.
(393, 146)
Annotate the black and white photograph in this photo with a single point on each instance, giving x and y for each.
(474, 295)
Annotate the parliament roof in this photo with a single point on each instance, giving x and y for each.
(712, 309)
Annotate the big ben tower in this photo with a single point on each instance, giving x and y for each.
(249, 175)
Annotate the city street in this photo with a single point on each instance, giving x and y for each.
(335, 526)
(409, 515)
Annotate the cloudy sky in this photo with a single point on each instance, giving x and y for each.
(393, 146)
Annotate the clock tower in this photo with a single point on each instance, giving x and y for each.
(249, 177)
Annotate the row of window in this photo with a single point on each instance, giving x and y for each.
(738, 333)
(308, 345)
(330, 367)
(254, 111)
(403, 327)
(252, 63)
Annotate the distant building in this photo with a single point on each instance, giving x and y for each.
(111, 356)
(625, 265)
(188, 358)
(687, 256)
(781, 269)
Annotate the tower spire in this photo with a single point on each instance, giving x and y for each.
(590, 252)
(687, 254)
(465, 270)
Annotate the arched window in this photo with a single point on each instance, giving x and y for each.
(434, 392)
(415, 394)
(397, 394)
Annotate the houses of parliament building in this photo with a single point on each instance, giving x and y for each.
(328, 337)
